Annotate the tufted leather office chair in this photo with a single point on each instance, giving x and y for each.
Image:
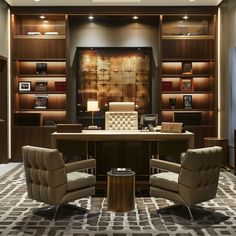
(51, 181)
(121, 116)
(193, 181)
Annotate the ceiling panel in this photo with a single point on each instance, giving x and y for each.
(114, 3)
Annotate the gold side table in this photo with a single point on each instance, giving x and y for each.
(120, 191)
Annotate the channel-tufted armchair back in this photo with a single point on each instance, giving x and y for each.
(121, 116)
(51, 181)
(199, 174)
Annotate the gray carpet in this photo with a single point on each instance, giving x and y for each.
(216, 217)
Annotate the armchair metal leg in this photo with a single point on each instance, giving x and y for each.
(190, 213)
(57, 210)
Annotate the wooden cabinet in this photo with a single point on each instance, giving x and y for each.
(39, 78)
(188, 84)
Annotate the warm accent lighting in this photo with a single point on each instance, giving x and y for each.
(91, 17)
(135, 17)
(92, 106)
(42, 17)
(37, 0)
(185, 17)
(192, 0)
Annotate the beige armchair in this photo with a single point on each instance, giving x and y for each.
(193, 181)
(121, 116)
(53, 182)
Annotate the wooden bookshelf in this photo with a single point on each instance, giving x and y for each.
(188, 69)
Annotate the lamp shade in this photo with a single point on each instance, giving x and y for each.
(92, 105)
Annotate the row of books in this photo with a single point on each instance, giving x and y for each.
(39, 33)
(188, 118)
(28, 119)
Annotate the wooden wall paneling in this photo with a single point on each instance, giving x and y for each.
(3, 111)
(39, 49)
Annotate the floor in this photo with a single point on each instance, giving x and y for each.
(4, 168)
(216, 217)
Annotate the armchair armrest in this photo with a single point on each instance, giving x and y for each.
(80, 165)
(165, 165)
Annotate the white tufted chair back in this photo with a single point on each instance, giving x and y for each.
(121, 116)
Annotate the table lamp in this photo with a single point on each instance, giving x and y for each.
(92, 106)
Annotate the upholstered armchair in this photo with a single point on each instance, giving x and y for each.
(51, 181)
(193, 181)
(121, 116)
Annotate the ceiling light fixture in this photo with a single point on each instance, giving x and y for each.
(185, 17)
(91, 17)
(192, 0)
(36, 0)
(135, 17)
(116, 1)
(42, 17)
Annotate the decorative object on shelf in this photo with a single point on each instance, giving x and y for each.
(41, 101)
(41, 68)
(171, 127)
(51, 33)
(41, 85)
(92, 106)
(166, 85)
(186, 85)
(188, 118)
(28, 119)
(60, 86)
(186, 68)
(33, 33)
(24, 86)
(50, 123)
(187, 101)
(172, 103)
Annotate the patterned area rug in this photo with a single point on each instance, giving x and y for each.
(216, 217)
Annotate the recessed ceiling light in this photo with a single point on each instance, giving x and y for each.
(42, 17)
(36, 0)
(185, 17)
(135, 17)
(192, 0)
(91, 17)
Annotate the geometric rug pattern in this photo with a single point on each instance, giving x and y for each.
(215, 217)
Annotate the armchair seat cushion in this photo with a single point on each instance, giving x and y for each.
(165, 180)
(79, 180)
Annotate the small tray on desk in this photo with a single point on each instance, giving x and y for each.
(69, 128)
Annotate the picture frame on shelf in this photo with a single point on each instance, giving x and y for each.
(41, 85)
(41, 101)
(187, 101)
(172, 103)
(41, 68)
(24, 86)
(186, 68)
(186, 85)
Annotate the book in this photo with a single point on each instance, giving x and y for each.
(33, 33)
(166, 85)
(51, 33)
(41, 68)
(60, 86)
(187, 101)
(41, 85)
(41, 101)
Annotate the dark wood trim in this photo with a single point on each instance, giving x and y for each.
(122, 10)
(3, 58)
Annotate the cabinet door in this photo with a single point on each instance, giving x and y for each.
(3, 111)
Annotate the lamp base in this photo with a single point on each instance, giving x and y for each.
(93, 127)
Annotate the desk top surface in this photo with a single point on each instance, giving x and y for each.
(123, 133)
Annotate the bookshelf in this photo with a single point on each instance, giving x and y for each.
(39, 78)
(187, 75)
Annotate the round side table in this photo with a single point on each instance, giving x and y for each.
(120, 191)
(222, 142)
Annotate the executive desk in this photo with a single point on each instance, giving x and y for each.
(113, 149)
(121, 135)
